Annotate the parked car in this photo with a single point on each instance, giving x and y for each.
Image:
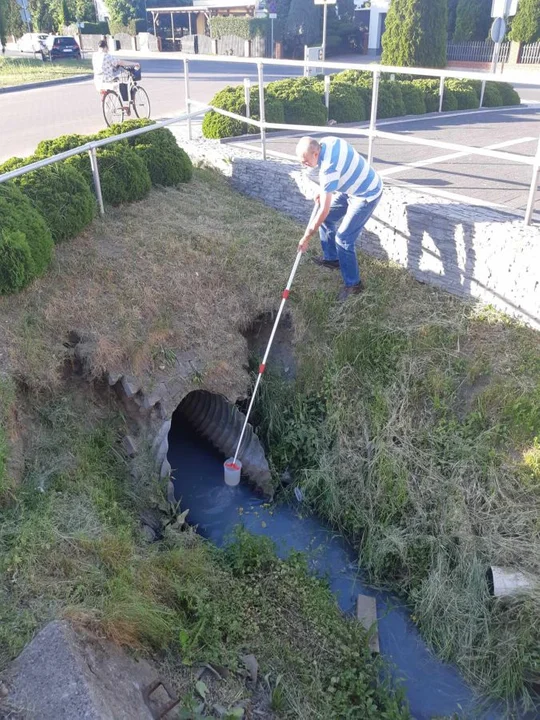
(31, 42)
(60, 46)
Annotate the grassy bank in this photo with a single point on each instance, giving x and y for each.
(412, 426)
(147, 288)
(19, 71)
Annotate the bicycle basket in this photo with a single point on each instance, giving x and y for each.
(135, 73)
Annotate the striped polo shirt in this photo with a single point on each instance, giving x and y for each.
(342, 169)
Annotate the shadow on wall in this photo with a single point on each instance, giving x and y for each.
(469, 251)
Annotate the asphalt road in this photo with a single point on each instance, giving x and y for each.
(26, 117)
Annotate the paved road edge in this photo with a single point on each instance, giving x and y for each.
(45, 83)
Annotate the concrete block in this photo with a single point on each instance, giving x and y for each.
(68, 675)
(366, 613)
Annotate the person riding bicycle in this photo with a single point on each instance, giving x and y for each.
(106, 68)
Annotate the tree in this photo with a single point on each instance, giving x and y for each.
(122, 11)
(416, 33)
(526, 24)
(3, 24)
(473, 20)
(452, 12)
(304, 24)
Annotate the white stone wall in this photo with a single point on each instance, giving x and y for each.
(467, 250)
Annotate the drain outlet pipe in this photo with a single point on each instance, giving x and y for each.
(233, 468)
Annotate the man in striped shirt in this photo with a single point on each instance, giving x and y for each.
(350, 190)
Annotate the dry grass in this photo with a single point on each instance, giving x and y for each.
(135, 289)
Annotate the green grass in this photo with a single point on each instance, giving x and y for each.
(70, 546)
(414, 427)
(19, 71)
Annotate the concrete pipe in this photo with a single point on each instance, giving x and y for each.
(506, 582)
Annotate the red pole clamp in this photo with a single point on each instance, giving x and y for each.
(285, 294)
(262, 368)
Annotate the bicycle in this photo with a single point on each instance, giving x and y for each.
(114, 104)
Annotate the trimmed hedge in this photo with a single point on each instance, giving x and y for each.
(166, 162)
(301, 100)
(301, 104)
(59, 193)
(243, 27)
(26, 243)
(232, 99)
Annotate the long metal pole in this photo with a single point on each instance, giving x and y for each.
(97, 182)
(261, 109)
(186, 95)
(262, 366)
(373, 118)
(534, 187)
(496, 51)
(325, 15)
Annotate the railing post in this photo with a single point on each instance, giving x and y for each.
(534, 187)
(441, 93)
(374, 108)
(482, 93)
(186, 96)
(261, 108)
(247, 96)
(95, 175)
(327, 91)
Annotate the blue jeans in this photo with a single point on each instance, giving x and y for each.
(341, 230)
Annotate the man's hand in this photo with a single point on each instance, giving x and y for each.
(304, 242)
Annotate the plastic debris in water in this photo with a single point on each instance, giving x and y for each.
(298, 494)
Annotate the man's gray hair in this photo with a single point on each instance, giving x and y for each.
(307, 145)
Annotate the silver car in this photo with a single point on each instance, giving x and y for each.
(31, 42)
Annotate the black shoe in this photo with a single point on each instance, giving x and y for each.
(347, 291)
(330, 264)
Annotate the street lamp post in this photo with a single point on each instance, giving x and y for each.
(325, 4)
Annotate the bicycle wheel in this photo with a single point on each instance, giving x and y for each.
(113, 108)
(141, 102)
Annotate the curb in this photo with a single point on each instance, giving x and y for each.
(45, 83)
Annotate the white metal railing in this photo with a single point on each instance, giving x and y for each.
(477, 51)
(530, 54)
(91, 148)
(371, 132)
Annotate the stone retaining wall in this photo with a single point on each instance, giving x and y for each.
(468, 250)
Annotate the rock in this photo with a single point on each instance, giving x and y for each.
(252, 666)
(131, 385)
(366, 613)
(67, 675)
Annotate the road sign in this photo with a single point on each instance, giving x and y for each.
(325, 2)
(272, 16)
(498, 30)
(503, 8)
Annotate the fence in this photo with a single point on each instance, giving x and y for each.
(231, 45)
(194, 44)
(530, 54)
(477, 52)
(371, 132)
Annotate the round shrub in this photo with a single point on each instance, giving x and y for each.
(508, 95)
(46, 148)
(390, 100)
(430, 91)
(232, 99)
(301, 104)
(346, 103)
(124, 177)
(413, 99)
(16, 266)
(18, 215)
(62, 196)
(123, 174)
(450, 101)
(166, 162)
(492, 96)
(465, 94)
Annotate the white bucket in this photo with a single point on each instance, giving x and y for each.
(505, 582)
(233, 470)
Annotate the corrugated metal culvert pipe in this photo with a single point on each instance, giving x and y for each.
(220, 422)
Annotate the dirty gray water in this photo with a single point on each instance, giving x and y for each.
(433, 688)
